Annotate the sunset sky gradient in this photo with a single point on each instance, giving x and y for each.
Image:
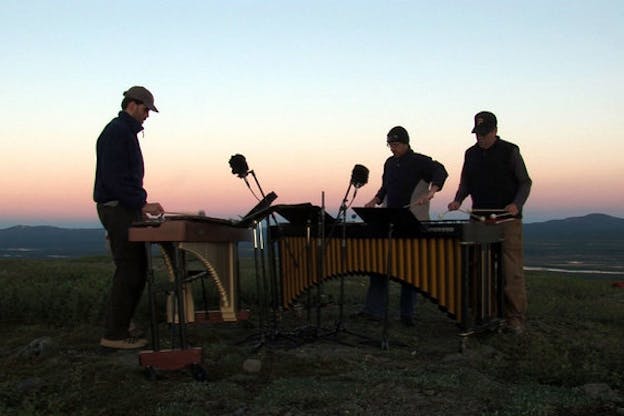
(305, 90)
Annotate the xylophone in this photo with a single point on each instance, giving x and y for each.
(456, 264)
(213, 242)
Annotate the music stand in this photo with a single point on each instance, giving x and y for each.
(400, 218)
(261, 210)
(301, 214)
(393, 219)
(304, 215)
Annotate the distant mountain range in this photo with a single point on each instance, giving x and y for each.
(588, 227)
(594, 240)
(48, 241)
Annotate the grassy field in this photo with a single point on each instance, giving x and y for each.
(603, 255)
(571, 361)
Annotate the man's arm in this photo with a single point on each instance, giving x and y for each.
(462, 190)
(522, 176)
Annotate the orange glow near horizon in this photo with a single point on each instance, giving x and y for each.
(299, 171)
(223, 195)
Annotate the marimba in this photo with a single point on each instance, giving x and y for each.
(456, 264)
(213, 242)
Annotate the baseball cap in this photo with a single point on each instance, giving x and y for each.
(484, 122)
(141, 94)
(398, 134)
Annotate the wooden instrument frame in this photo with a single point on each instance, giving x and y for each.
(214, 243)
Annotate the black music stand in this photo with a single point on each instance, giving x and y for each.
(392, 219)
(303, 215)
(401, 218)
(260, 211)
(300, 214)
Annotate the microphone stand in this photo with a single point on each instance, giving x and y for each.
(260, 288)
(343, 257)
(273, 330)
(342, 216)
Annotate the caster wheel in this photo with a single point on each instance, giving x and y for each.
(199, 373)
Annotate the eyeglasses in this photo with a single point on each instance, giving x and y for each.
(394, 144)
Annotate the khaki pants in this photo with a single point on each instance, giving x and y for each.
(513, 263)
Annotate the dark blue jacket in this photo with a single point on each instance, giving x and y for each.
(402, 174)
(119, 170)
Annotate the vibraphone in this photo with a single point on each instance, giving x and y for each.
(213, 242)
(456, 264)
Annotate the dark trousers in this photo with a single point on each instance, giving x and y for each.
(130, 269)
(375, 298)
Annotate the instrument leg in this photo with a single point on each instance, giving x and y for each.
(152, 298)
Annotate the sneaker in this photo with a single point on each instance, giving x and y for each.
(123, 344)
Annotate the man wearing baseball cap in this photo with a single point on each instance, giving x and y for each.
(496, 178)
(121, 200)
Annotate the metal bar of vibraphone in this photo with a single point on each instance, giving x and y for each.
(259, 287)
(483, 277)
(465, 296)
(151, 295)
(180, 271)
(487, 295)
(500, 279)
(490, 276)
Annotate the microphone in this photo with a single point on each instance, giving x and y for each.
(239, 166)
(359, 176)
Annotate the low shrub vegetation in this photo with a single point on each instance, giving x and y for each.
(569, 362)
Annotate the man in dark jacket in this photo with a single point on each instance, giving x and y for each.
(121, 200)
(496, 178)
(404, 172)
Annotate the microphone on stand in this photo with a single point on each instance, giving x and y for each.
(359, 176)
(239, 165)
(240, 168)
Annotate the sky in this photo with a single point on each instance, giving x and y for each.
(306, 90)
